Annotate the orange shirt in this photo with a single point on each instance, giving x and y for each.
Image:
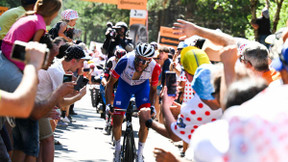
(271, 75)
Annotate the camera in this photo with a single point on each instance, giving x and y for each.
(171, 83)
(111, 32)
(18, 52)
(81, 82)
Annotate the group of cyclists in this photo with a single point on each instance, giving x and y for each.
(128, 72)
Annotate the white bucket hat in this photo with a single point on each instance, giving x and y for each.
(69, 14)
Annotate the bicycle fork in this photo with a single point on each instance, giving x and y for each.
(128, 152)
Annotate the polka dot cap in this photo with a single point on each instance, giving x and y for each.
(74, 52)
(194, 113)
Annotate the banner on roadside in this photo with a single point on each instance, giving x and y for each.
(3, 9)
(167, 38)
(125, 4)
(138, 17)
(103, 1)
(132, 4)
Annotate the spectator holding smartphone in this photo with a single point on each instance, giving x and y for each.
(20, 103)
(49, 81)
(30, 27)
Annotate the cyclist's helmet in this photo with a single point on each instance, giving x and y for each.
(145, 50)
(119, 53)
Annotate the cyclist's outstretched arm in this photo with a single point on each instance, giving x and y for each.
(145, 114)
(152, 94)
(109, 90)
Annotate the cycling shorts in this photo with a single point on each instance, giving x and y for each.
(125, 91)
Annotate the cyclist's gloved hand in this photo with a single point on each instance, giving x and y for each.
(153, 111)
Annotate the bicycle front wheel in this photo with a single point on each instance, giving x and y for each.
(128, 153)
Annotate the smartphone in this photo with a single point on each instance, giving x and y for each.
(67, 78)
(171, 83)
(18, 52)
(81, 82)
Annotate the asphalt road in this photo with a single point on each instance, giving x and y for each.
(85, 141)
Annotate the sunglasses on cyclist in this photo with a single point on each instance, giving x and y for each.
(138, 60)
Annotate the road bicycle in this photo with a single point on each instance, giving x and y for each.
(128, 149)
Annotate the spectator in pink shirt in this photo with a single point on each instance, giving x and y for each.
(31, 27)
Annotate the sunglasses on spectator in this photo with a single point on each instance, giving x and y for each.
(138, 60)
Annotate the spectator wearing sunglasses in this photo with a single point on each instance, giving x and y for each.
(255, 57)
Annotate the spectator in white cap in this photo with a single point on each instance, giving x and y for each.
(69, 18)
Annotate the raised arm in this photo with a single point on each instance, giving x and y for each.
(189, 29)
(20, 102)
(167, 114)
(41, 108)
(70, 100)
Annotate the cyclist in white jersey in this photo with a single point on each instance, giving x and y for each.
(133, 72)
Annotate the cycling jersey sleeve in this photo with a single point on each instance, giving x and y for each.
(155, 75)
(121, 65)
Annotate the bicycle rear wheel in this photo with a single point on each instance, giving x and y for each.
(128, 148)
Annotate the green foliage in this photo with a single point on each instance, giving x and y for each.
(155, 5)
(283, 14)
(229, 16)
(9, 3)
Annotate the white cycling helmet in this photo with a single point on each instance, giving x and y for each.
(145, 50)
(69, 15)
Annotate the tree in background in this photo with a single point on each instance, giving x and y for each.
(9, 4)
(232, 17)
